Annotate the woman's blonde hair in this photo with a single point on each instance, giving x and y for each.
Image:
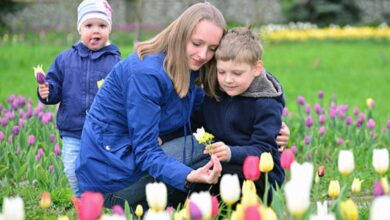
(173, 41)
(239, 45)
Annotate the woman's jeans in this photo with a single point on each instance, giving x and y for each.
(135, 194)
(70, 151)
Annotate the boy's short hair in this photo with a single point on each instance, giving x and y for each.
(241, 45)
(93, 9)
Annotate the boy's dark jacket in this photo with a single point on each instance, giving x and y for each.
(72, 79)
(248, 123)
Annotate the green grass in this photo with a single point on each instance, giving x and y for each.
(352, 70)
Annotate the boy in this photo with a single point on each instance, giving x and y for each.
(72, 78)
(243, 106)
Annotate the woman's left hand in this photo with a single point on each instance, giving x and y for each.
(283, 137)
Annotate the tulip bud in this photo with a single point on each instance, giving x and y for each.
(139, 211)
(356, 185)
(286, 159)
(230, 188)
(39, 74)
(45, 200)
(321, 171)
(266, 162)
(349, 210)
(250, 168)
(334, 189)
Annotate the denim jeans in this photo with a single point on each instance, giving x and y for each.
(70, 151)
(135, 193)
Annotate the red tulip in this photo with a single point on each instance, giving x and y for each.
(251, 168)
(214, 206)
(287, 158)
(89, 206)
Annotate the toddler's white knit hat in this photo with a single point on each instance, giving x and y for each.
(93, 9)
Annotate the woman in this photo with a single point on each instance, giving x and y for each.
(152, 93)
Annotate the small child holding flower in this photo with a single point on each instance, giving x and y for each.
(73, 78)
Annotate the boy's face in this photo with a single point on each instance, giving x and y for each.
(94, 33)
(202, 44)
(236, 77)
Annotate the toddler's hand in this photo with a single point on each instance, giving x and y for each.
(43, 90)
(220, 150)
(283, 137)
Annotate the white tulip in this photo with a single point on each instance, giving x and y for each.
(153, 215)
(156, 196)
(230, 188)
(302, 173)
(112, 217)
(200, 132)
(380, 160)
(346, 162)
(13, 208)
(322, 212)
(297, 197)
(203, 201)
(380, 208)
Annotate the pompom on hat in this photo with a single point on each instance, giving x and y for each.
(93, 9)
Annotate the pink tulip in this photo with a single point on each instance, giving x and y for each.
(321, 131)
(118, 210)
(252, 213)
(90, 206)
(251, 168)
(378, 189)
(320, 94)
(287, 158)
(52, 138)
(309, 121)
(371, 123)
(301, 100)
(214, 206)
(31, 140)
(1, 136)
(57, 150)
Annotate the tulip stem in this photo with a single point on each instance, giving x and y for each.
(265, 199)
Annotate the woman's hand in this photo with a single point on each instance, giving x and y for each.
(283, 137)
(219, 149)
(205, 174)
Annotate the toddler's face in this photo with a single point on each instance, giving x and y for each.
(236, 77)
(94, 33)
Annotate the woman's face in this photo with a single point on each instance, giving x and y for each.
(203, 43)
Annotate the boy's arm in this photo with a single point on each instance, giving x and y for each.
(266, 128)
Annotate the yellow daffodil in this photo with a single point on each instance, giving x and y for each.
(266, 162)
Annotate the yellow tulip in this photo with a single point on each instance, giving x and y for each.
(267, 213)
(266, 162)
(385, 184)
(139, 211)
(45, 200)
(334, 189)
(370, 103)
(356, 185)
(349, 210)
(248, 186)
(63, 217)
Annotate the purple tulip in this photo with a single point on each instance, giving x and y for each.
(1, 136)
(378, 189)
(1, 108)
(371, 123)
(52, 138)
(307, 139)
(4, 122)
(320, 94)
(21, 100)
(51, 169)
(195, 212)
(307, 108)
(31, 140)
(15, 104)
(10, 98)
(301, 100)
(356, 110)
(308, 157)
(388, 124)
(294, 149)
(21, 122)
(285, 112)
(317, 108)
(340, 141)
(348, 120)
(15, 130)
(322, 131)
(332, 112)
(41, 79)
(309, 121)
(57, 150)
(118, 210)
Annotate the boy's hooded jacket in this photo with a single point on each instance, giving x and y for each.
(248, 123)
(72, 82)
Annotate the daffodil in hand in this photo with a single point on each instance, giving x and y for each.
(204, 138)
(40, 76)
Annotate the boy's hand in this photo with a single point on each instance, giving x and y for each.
(220, 150)
(43, 90)
(205, 174)
(283, 137)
